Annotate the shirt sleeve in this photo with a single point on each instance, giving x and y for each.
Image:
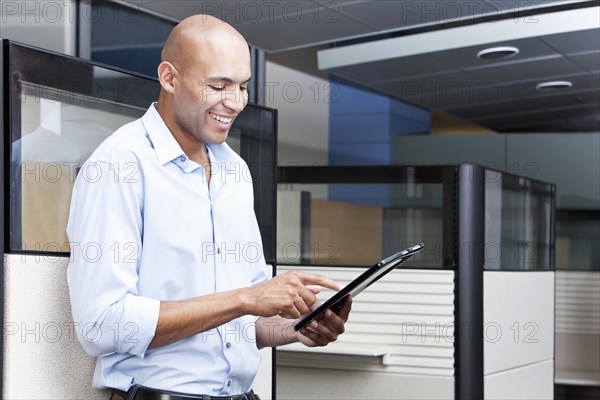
(105, 232)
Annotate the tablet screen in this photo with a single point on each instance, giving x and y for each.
(362, 282)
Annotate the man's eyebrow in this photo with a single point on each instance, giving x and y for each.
(225, 79)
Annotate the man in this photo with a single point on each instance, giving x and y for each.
(167, 316)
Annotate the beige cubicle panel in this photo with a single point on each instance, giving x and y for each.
(345, 233)
(46, 195)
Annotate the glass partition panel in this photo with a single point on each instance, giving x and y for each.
(61, 108)
(519, 223)
(578, 240)
(57, 135)
(254, 137)
(350, 215)
(359, 224)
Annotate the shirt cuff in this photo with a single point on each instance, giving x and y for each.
(138, 324)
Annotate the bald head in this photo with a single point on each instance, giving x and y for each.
(199, 36)
(204, 75)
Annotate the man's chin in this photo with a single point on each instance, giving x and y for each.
(219, 138)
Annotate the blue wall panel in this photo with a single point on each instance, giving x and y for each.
(353, 128)
(362, 128)
(374, 153)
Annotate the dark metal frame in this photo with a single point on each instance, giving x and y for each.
(261, 145)
(468, 301)
(4, 112)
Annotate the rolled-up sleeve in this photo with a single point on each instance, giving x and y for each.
(105, 231)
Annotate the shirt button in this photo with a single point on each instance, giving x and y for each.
(218, 250)
(182, 159)
(229, 383)
(228, 345)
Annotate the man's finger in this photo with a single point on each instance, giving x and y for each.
(320, 280)
(346, 306)
(313, 288)
(301, 305)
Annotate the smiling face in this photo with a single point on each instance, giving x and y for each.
(204, 82)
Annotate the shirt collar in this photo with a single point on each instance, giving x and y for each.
(166, 147)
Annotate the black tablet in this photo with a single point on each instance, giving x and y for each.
(362, 282)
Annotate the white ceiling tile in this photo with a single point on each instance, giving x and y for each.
(397, 15)
(579, 111)
(544, 125)
(518, 120)
(585, 124)
(236, 12)
(445, 91)
(394, 69)
(301, 30)
(466, 57)
(528, 104)
(575, 42)
(587, 61)
(536, 70)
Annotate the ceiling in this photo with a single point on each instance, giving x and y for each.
(366, 42)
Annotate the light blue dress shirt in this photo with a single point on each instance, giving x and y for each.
(145, 227)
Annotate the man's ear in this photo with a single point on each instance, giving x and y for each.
(166, 76)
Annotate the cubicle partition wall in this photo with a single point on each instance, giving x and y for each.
(570, 161)
(577, 301)
(55, 110)
(470, 313)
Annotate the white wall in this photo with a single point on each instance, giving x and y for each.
(42, 357)
(302, 101)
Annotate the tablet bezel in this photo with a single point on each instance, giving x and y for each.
(363, 281)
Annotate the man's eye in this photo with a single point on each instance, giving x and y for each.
(215, 87)
(244, 88)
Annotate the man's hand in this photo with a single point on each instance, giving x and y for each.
(289, 295)
(327, 327)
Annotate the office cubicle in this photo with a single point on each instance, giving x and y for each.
(470, 313)
(55, 110)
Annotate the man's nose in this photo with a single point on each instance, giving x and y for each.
(236, 99)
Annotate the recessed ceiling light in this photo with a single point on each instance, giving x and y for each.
(495, 53)
(553, 85)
